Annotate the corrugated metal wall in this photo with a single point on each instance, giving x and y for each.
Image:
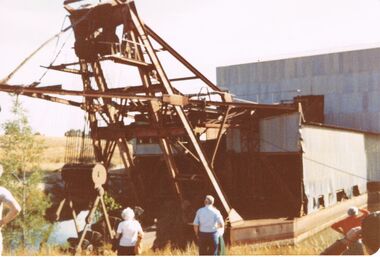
(336, 160)
(332, 160)
(280, 133)
(277, 134)
(350, 82)
(372, 148)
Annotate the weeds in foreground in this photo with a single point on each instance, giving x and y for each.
(311, 246)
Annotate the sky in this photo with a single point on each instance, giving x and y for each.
(208, 33)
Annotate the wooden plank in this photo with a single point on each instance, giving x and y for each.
(65, 69)
(219, 136)
(54, 99)
(84, 93)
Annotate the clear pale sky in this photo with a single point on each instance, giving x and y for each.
(209, 33)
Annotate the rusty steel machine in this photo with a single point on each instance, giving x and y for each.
(112, 31)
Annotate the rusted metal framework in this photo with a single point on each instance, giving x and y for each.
(159, 109)
(84, 183)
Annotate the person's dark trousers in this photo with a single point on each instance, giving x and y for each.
(126, 250)
(208, 243)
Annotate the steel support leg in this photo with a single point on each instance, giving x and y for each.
(219, 136)
(89, 219)
(181, 114)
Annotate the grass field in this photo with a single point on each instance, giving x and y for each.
(54, 154)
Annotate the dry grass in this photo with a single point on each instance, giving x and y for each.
(54, 154)
(45, 251)
(311, 246)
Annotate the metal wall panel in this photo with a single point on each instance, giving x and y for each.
(337, 159)
(234, 140)
(280, 133)
(349, 80)
(372, 148)
(147, 149)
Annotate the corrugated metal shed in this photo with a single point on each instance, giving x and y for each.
(336, 160)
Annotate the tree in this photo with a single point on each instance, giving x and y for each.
(73, 133)
(21, 153)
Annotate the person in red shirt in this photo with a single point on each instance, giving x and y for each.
(367, 237)
(353, 220)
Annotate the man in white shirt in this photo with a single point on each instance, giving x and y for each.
(206, 224)
(7, 200)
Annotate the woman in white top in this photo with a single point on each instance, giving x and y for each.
(129, 232)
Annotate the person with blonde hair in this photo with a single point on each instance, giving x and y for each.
(130, 233)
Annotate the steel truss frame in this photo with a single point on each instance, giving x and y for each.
(168, 112)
